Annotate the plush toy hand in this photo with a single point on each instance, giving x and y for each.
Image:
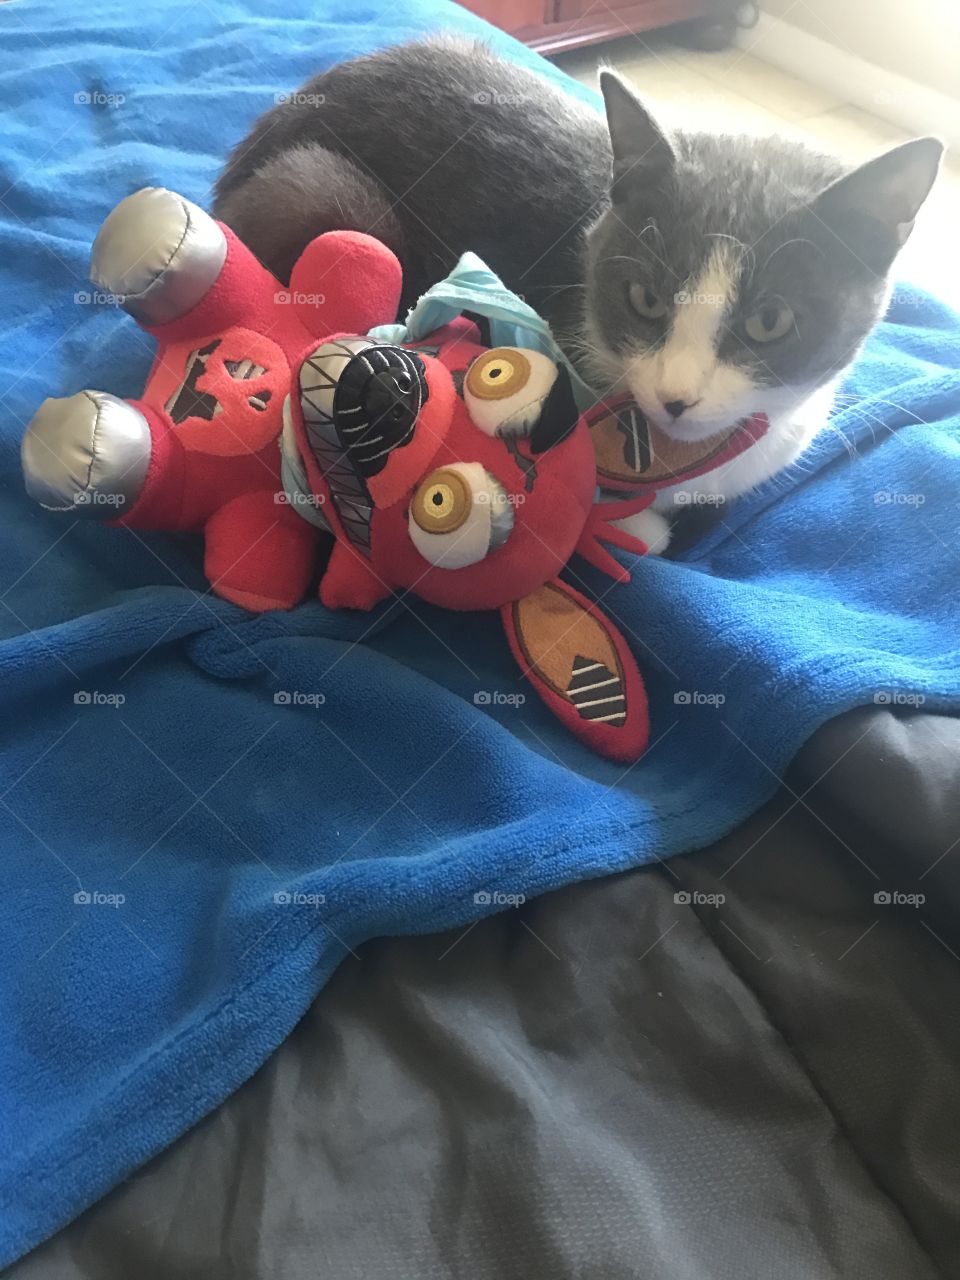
(158, 254)
(200, 449)
(87, 454)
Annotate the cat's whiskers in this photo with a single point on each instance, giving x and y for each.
(748, 257)
(558, 288)
(579, 344)
(865, 416)
(875, 399)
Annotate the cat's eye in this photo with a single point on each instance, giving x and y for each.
(769, 322)
(646, 302)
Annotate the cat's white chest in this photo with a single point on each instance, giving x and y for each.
(790, 433)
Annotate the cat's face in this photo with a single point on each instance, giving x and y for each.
(732, 275)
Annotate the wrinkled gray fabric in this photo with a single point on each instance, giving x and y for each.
(609, 1083)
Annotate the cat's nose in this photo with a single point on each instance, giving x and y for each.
(675, 407)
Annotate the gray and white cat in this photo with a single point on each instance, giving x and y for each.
(712, 277)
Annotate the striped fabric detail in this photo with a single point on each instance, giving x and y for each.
(318, 382)
(596, 692)
(636, 438)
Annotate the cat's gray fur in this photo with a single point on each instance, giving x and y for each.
(441, 146)
(434, 147)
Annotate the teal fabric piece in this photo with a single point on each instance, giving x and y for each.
(472, 286)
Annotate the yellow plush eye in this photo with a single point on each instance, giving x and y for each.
(647, 302)
(770, 322)
(498, 374)
(442, 502)
(458, 515)
(505, 390)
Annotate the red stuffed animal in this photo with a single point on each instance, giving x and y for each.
(456, 472)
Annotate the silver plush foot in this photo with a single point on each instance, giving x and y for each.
(159, 254)
(87, 454)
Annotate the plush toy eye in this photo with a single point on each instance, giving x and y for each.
(442, 502)
(646, 302)
(767, 323)
(505, 390)
(458, 515)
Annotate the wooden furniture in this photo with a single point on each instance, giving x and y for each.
(551, 26)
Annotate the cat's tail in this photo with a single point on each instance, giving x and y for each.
(297, 194)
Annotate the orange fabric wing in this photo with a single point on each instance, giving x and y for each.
(581, 667)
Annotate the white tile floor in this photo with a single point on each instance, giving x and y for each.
(737, 92)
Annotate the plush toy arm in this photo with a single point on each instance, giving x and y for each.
(345, 282)
(159, 254)
(581, 667)
(176, 271)
(87, 454)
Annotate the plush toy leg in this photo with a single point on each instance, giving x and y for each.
(159, 254)
(259, 552)
(350, 580)
(87, 454)
(581, 667)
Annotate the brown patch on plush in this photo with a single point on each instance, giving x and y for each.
(569, 649)
(628, 447)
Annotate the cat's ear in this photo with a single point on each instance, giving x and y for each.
(641, 149)
(888, 190)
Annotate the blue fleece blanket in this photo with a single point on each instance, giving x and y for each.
(202, 812)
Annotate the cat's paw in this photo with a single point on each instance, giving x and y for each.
(651, 527)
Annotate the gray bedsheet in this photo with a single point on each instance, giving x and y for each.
(629, 1078)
